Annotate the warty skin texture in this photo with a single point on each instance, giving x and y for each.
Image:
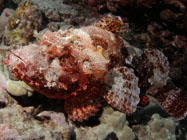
(72, 65)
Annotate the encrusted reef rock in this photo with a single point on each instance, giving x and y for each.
(56, 11)
(26, 20)
(3, 80)
(17, 124)
(110, 122)
(62, 15)
(158, 128)
(5, 99)
(4, 18)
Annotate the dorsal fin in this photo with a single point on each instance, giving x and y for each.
(111, 23)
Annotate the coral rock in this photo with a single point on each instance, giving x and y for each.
(58, 120)
(57, 10)
(26, 20)
(4, 18)
(157, 128)
(17, 124)
(113, 125)
(2, 80)
(7, 133)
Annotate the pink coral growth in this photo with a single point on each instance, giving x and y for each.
(6, 133)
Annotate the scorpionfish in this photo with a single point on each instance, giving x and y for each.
(82, 66)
